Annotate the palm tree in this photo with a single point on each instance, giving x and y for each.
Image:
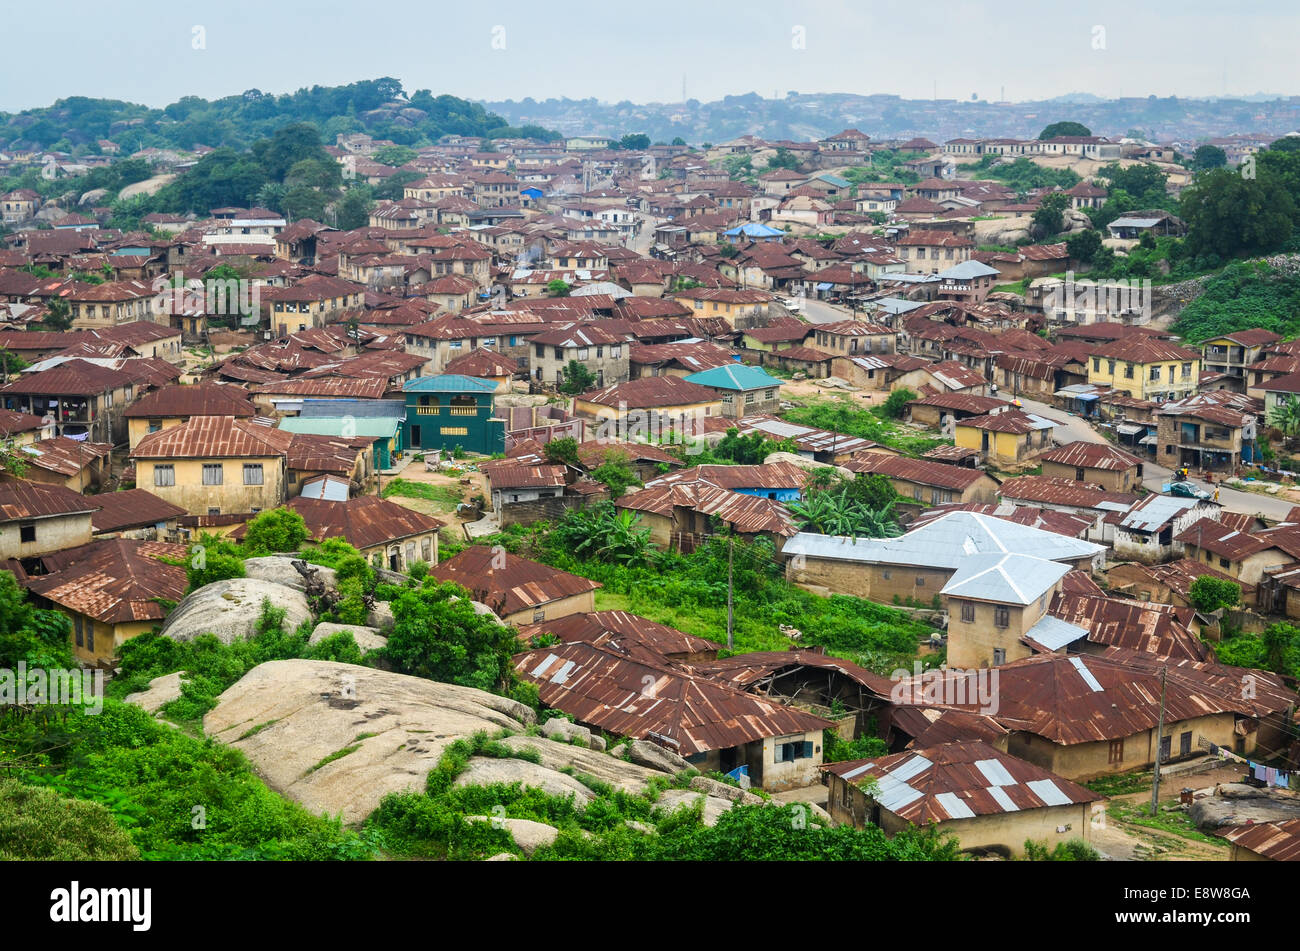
(1286, 416)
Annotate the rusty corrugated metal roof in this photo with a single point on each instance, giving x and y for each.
(115, 580)
(960, 781)
(507, 583)
(644, 700)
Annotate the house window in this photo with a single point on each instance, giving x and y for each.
(999, 656)
(968, 611)
(77, 630)
(751, 397)
(426, 549)
(213, 473)
(214, 511)
(920, 581)
(155, 425)
(1116, 753)
(1110, 367)
(1155, 374)
(1128, 371)
(1187, 371)
(1096, 364)
(164, 475)
(454, 431)
(539, 616)
(769, 394)
(252, 473)
(616, 351)
(886, 574)
(27, 533)
(583, 353)
(1078, 475)
(1002, 616)
(1224, 563)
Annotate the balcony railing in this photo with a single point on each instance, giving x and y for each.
(451, 410)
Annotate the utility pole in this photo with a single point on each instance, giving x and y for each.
(1160, 732)
(731, 550)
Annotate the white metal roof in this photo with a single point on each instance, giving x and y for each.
(1008, 578)
(1053, 633)
(946, 542)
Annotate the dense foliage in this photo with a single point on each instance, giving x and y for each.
(689, 592)
(457, 823)
(1243, 295)
(437, 634)
(40, 825)
(29, 634)
(177, 797)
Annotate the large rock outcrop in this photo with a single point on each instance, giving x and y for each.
(295, 719)
(280, 569)
(230, 610)
(366, 638)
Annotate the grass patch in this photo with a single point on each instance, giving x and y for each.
(256, 730)
(338, 754)
(1176, 822)
(1120, 784)
(443, 495)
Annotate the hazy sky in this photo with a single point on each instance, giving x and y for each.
(145, 50)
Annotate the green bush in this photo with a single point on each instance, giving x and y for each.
(40, 825)
(274, 531)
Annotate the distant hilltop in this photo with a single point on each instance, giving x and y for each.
(804, 116)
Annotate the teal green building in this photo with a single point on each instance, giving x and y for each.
(443, 412)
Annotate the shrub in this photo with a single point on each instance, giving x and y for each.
(275, 530)
(40, 825)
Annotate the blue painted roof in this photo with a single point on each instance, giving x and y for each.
(754, 229)
(734, 377)
(449, 383)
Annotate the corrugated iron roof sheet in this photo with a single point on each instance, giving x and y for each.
(636, 698)
(507, 583)
(960, 781)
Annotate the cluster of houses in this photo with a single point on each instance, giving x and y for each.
(641, 303)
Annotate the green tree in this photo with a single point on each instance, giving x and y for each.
(558, 288)
(896, 403)
(678, 140)
(438, 635)
(274, 531)
(1288, 143)
(1083, 246)
(28, 633)
(563, 451)
(1064, 128)
(394, 155)
(353, 209)
(1049, 218)
(576, 379)
(1208, 156)
(615, 473)
(58, 315)
(1227, 214)
(1286, 415)
(635, 142)
(1209, 593)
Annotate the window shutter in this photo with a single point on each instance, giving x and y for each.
(807, 749)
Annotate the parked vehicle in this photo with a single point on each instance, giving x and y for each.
(1184, 490)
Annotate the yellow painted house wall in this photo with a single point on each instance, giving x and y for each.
(1084, 761)
(583, 603)
(1140, 385)
(107, 637)
(138, 428)
(600, 411)
(1006, 448)
(232, 496)
(378, 555)
(52, 534)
